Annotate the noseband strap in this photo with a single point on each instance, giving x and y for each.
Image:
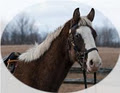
(90, 50)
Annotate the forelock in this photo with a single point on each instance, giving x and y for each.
(84, 21)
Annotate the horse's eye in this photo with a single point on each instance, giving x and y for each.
(77, 35)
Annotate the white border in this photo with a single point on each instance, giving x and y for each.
(111, 84)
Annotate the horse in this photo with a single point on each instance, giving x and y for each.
(45, 66)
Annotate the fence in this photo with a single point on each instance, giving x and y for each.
(102, 71)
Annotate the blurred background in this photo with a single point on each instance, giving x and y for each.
(35, 22)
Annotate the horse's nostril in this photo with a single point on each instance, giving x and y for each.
(91, 62)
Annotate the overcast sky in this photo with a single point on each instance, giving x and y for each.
(55, 12)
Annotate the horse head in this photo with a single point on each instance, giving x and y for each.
(81, 40)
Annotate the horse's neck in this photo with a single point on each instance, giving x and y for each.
(57, 64)
(48, 72)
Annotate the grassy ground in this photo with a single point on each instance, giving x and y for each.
(109, 57)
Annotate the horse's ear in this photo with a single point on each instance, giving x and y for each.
(91, 15)
(76, 14)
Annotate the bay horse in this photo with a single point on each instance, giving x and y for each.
(45, 66)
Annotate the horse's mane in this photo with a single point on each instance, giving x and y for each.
(38, 50)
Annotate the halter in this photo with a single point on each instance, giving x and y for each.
(82, 56)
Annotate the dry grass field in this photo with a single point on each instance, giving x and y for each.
(109, 57)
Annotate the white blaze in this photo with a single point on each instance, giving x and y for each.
(86, 34)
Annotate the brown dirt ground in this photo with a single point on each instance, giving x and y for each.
(109, 57)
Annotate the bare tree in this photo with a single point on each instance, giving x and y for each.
(108, 37)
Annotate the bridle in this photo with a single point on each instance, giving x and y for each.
(81, 57)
